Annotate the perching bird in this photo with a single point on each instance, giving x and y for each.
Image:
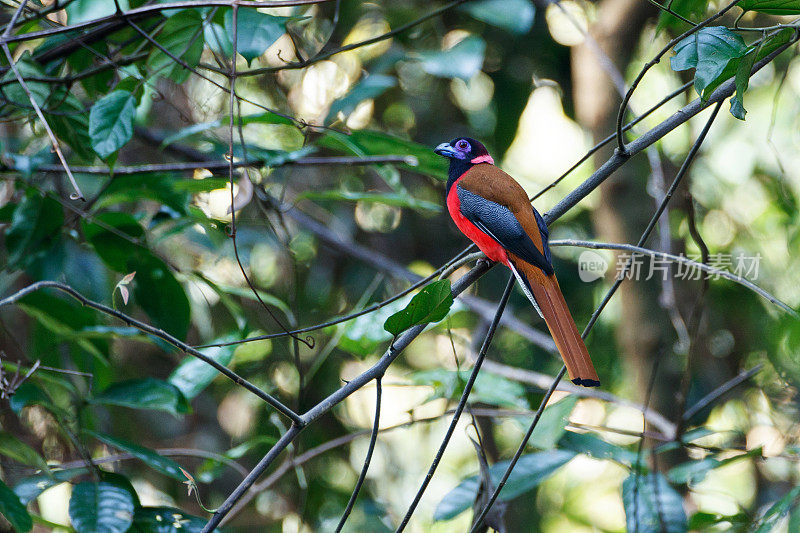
(493, 210)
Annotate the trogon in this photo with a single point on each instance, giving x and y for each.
(493, 210)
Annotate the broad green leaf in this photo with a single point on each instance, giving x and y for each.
(515, 16)
(360, 336)
(431, 304)
(111, 122)
(147, 393)
(15, 449)
(34, 226)
(14, 510)
(101, 507)
(778, 510)
(193, 375)
(709, 51)
(370, 87)
(690, 9)
(771, 7)
(165, 465)
(194, 129)
(31, 487)
(701, 521)
(164, 189)
(651, 504)
(552, 424)
(395, 199)
(15, 94)
(528, 473)
(742, 82)
(255, 31)
(695, 471)
(367, 142)
(595, 447)
(182, 36)
(488, 388)
(463, 60)
(165, 520)
(70, 123)
(83, 10)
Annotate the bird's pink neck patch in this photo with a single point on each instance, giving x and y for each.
(483, 159)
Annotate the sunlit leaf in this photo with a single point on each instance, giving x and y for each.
(194, 129)
(595, 447)
(147, 393)
(83, 10)
(13, 510)
(193, 375)
(31, 487)
(515, 16)
(771, 7)
(709, 51)
(398, 200)
(255, 31)
(165, 465)
(111, 122)
(101, 506)
(463, 60)
(370, 87)
(528, 473)
(431, 304)
(166, 520)
(651, 504)
(15, 449)
(182, 36)
(488, 388)
(552, 424)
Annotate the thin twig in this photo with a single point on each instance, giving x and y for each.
(720, 391)
(373, 438)
(461, 403)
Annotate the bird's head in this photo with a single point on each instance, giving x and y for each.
(464, 150)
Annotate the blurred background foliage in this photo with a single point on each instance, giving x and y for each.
(322, 240)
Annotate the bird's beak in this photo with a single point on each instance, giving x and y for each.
(445, 150)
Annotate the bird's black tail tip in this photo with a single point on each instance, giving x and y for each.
(586, 382)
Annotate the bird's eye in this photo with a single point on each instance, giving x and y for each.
(462, 145)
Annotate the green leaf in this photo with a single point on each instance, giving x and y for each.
(431, 304)
(165, 465)
(552, 424)
(742, 82)
(15, 449)
(395, 199)
(488, 388)
(463, 60)
(778, 510)
(515, 16)
(13, 510)
(36, 222)
(193, 375)
(15, 94)
(83, 10)
(695, 471)
(101, 507)
(111, 122)
(70, 123)
(255, 33)
(372, 86)
(690, 9)
(771, 7)
(367, 142)
(147, 393)
(164, 189)
(182, 36)
(702, 521)
(651, 504)
(31, 487)
(595, 447)
(165, 520)
(709, 51)
(528, 473)
(194, 129)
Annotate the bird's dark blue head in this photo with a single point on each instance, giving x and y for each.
(463, 153)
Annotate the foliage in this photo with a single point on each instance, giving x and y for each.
(153, 273)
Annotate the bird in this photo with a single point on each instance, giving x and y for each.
(492, 209)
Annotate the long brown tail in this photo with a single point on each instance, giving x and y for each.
(550, 302)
